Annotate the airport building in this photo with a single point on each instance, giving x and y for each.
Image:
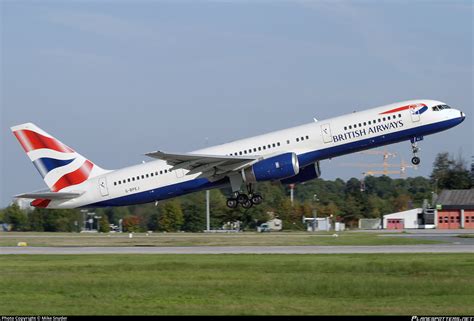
(406, 219)
(455, 209)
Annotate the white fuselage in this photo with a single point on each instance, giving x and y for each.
(311, 142)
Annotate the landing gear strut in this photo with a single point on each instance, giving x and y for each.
(245, 200)
(415, 159)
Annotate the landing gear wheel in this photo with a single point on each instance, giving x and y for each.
(247, 204)
(415, 160)
(232, 203)
(242, 198)
(257, 199)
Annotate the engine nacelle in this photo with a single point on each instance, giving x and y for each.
(306, 174)
(272, 169)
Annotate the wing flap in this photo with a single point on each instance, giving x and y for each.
(207, 165)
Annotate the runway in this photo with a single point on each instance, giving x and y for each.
(422, 248)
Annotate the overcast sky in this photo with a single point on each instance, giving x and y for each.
(117, 79)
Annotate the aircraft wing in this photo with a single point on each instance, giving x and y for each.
(49, 195)
(208, 165)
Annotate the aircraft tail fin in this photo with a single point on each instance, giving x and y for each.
(59, 165)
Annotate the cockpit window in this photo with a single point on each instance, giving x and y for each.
(440, 107)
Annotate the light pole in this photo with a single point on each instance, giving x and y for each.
(208, 202)
(208, 211)
(98, 226)
(84, 222)
(91, 220)
(315, 221)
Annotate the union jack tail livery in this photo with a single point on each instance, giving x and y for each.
(59, 165)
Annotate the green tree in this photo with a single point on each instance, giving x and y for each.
(16, 217)
(60, 220)
(36, 219)
(449, 173)
(104, 226)
(171, 216)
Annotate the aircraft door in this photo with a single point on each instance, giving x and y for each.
(179, 173)
(326, 133)
(104, 191)
(415, 116)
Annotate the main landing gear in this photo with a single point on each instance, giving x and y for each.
(415, 159)
(245, 200)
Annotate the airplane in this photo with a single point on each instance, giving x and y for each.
(290, 156)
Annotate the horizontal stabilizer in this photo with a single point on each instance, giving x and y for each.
(50, 195)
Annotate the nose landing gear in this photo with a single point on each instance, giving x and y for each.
(415, 149)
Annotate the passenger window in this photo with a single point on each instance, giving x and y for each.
(143, 176)
(345, 128)
(297, 139)
(399, 115)
(350, 126)
(128, 179)
(380, 120)
(369, 122)
(264, 148)
(302, 138)
(274, 145)
(240, 153)
(138, 178)
(151, 174)
(245, 151)
(278, 144)
(360, 125)
(388, 117)
(124, 181)
(269, 146)
(365, 124)
(287, 141)
(254, 149)
(250, 150)
(260, 148)
(383, 119)
(307, 137)
(120, 182)
(147, 176)
(115, 183)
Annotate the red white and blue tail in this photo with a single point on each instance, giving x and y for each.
(59, 165)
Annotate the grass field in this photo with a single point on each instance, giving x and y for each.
(408, 284)
(211, 239)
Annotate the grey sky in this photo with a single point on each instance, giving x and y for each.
(114, 80)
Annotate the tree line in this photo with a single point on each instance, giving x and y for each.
(346, 201)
